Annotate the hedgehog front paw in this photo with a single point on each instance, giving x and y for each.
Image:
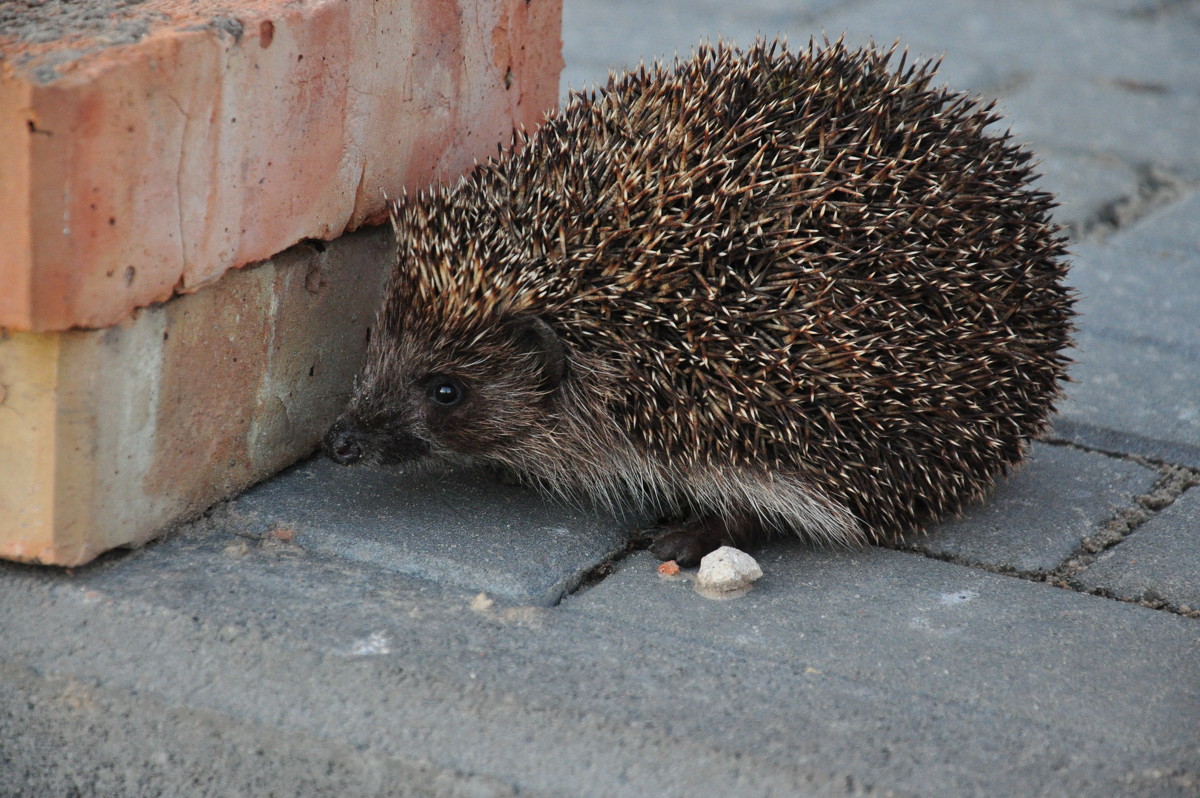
(687, 544)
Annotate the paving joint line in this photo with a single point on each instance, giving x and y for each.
(1172, 483)
(1156, 10)
(1152, 463)
(1044, 578)
(639, 539)
(1174, 480)
(1113, 454)
(1157, 186)
(995, 91)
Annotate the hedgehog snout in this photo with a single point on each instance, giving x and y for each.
(343, 444)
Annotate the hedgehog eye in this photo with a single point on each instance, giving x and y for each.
(445, 391)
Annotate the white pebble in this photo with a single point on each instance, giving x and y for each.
(727, 569)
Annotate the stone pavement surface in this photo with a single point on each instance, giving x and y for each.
(362, 633)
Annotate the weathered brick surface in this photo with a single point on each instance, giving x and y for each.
(108, 435)
(150, 147)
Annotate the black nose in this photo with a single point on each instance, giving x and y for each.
(342, 444)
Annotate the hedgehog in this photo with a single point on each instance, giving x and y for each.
(750, 292)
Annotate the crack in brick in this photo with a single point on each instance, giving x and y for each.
(179, 169)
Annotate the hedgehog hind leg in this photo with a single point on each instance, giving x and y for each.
(686, 543)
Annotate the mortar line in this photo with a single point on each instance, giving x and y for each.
(1140, 509)
(1158, 9)
(598, 573)
(1147, 461)
(1155, 187)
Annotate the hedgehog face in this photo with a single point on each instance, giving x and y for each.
(431, 394)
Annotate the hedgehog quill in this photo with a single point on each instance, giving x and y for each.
(754, 291)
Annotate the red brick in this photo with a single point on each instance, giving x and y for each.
(148, 150)
(138, 169)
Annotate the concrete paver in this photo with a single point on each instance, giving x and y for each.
(841, 673)
(1035, 520)
(1109, 117)
(1133, 396)
(1116, 283)
(932, 628)
(464, 529)
(1175, 228)
(1070, 77)
(1137, 377)
(1026, 37)
(1088, 186)
(618, 34)
(1158, 562)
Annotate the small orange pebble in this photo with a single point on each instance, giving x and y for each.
(669, 568)
(285, 534)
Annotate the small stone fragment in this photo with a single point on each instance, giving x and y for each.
(239, 548)
(727, 569)
(668, 568)
(285, 534)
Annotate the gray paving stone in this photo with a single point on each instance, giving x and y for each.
(1005, 647)
(891, 608)
(617, 34)
(461, 528)
(1137, 291)
(1027, 37)
(1035, 519)
(1174, 228)
(1158, 562)
(1086, 185)
(1137, 379)
(1142, 125)
(1133, 396)
(1125, 8)
(1067, 79)
(236, 667)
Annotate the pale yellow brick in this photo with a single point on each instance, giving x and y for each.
(107, 436)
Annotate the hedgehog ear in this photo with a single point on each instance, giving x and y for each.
(532, 334)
